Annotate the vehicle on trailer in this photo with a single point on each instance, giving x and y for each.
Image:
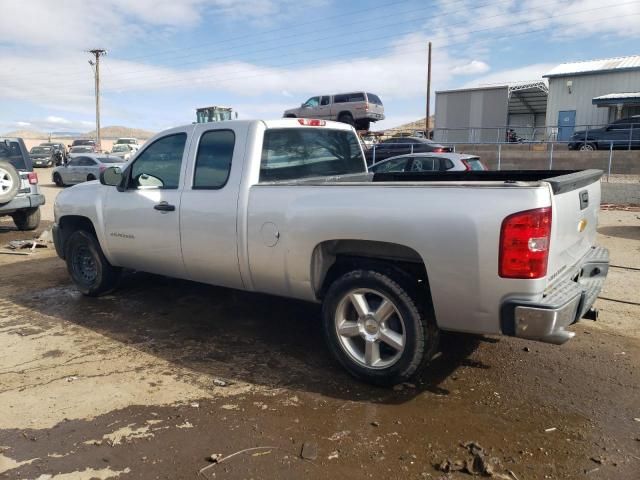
(83, 168)
(357, 109)
(621, 134)
(278, 204)
(20, 196)
(402, 145)
(215, 113)
(43, 156)
(430, 162)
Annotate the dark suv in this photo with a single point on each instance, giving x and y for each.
(621, 134)
(20, 196)
(402, 145)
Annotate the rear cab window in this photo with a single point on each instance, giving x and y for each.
(296, 153)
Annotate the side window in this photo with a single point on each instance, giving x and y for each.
(74, 162)
(312, 102)
(446, 164)
(356, 97)
(159, 165)
(340, 98)
(396, 165)
(213, 161)
(422, 164)
(324, 100)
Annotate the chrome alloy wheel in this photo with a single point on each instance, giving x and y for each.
(370, 328)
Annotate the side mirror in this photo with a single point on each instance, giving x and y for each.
(111, 176)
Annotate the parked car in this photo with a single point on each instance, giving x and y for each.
(369, 140)
(122, 150)
(131, 142)
(279, 206)
(429, 162)
(82, 168)
(357, 109)
(83, 141)
(81, 150)
(43, 156)
(20, 195)
(57, 146)
(621, 134)
(401, 145)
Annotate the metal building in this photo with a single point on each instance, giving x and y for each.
(485, 114)
(592, 93)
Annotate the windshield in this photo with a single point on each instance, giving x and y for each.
(81, 150)
(120, 148)
(83, 142)
(36, 150)
(293, 153)
(126, 141)
(110, 159)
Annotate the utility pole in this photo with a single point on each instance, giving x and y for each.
(426, 120)
(97, 52)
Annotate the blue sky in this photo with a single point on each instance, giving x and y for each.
(167, 57)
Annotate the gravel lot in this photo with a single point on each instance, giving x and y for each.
(152, 380)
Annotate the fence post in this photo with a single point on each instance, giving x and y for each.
(373, 156)
(610, 160)
(499, 155)
(412, 148)
(630, 136)
(551, 157)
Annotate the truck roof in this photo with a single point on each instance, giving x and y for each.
(279, 123)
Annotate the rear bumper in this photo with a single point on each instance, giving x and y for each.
(22, 202)
(566, 303)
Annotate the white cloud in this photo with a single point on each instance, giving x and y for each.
(514, 75)
(474, 67)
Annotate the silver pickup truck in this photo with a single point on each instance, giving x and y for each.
(287, 207)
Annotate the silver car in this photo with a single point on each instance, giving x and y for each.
(122, 150)
(429, 162)
(82, 169)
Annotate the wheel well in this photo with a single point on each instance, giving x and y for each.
(289, 115)
(72, 223)
(344, 113)
(334, 258)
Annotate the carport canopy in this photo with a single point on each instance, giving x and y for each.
(614, 99)
(528, 98)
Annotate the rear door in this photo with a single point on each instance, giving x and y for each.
(575, 206)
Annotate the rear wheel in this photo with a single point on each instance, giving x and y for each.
(27, 219)
(9, 182)
(587, 147)
(375, 327)
(90, 177)
(57, 179)
(346, 118)
(92, 274)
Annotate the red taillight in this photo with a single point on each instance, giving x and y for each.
(524, 244)
(311, 122)
(33, 178)
(466, 164)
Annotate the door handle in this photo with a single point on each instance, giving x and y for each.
(164, 207)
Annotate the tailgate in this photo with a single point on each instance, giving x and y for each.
(575, 203)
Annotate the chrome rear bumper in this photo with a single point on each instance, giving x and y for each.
(566, 303)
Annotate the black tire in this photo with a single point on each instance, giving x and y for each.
(411, 316)
(27, 219)
(9, 182)
(90, 271)
(90, 177)
(57, 179)
(346, 118)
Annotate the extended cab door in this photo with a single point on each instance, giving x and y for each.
(209, 205)
(142, 227)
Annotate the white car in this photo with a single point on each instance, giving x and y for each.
(429, 162)
(131, 142)
(122, 150)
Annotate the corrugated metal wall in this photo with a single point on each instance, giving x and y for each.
(467, 109)
(583, 89)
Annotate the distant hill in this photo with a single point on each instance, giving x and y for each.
(411, 127)
(111, 132)
(117, 131)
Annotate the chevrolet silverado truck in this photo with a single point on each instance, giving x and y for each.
(287, 207)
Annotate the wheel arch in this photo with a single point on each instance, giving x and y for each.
(345, 112)
(333, 258)
(69, 224)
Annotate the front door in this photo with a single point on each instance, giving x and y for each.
(566, 125)
(324, 109)
(142, 223)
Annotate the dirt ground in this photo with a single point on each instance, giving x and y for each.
(150, 381)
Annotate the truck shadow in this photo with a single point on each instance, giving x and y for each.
(226, 334)
(631, 232)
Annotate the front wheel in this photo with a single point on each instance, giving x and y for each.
(587, 147)
(57, 179)
(376, 329)
(27, 219)
(91, 272)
